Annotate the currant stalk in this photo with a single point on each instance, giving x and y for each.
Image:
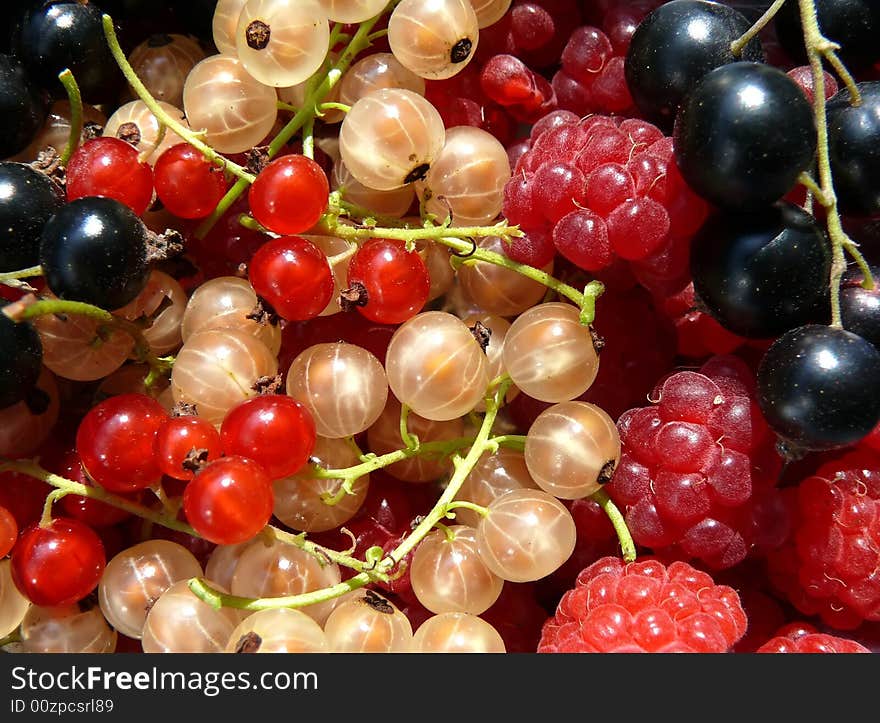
(164, 119)
(76, 113)
(66, 486)
(30, 307)
(819, 47)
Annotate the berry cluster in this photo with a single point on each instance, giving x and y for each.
(346, 311)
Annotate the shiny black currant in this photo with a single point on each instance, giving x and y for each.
(23, 107)
(675, 46)
(854, 149)
(853, 24)
(760, 274)
(58, 35)
(744, 135)
(27, 199)
(860, 307)
(819, 387)
(95, 250)
(21, 355)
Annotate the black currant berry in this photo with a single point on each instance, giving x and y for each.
(95, 250)
(23, 107)
(21, 355)
(675, 46)
(854, 148)
(819, 387)
(27, 199)
(860, 307)
(853, 24)
(760, 274)
(744, 135)
(58, 35)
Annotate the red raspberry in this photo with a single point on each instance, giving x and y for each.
(829, 566)
(697, 470)
(804, 638)
(644, 607)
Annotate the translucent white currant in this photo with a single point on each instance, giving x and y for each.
(282, 42)
(390, 137)
(235, 110)
(572, 449)
(435, 39)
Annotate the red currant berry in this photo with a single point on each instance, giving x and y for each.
(274, 430)
(58, 564)
(294, 276)
(289, 195)
(115, 442)
(92, 512)
(187, 183)
(110, 167)
(229, 501)
(177, 438)
(8, 531)
(396, 281)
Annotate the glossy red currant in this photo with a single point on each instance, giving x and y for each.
(394, 282)
(183, 440)
(8, 531)
(293, 276)
(115, 442)
(274, 430)
(289, 195)
(110, 167)
(229, 501)
(58, 564)
(187, 184)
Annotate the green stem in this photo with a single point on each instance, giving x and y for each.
(848, 81)
(186, 133)
(737, 46)
(462, 469)
(410, 441)
(141, 350)
(511, 441)
(67, 486)
(454, 238)
(333, 106)
(358, 42)
(51, 499)
(441, 449)
(27, 273)
(627, 546)
(308, 138)
(818, 46)
(465, 505)
(216, 599)
(76, 113)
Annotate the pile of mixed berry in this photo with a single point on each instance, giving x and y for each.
(449, 326)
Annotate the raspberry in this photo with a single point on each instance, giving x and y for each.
(644, 606)
(804, 638)
(697, 470)
(828, 567)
